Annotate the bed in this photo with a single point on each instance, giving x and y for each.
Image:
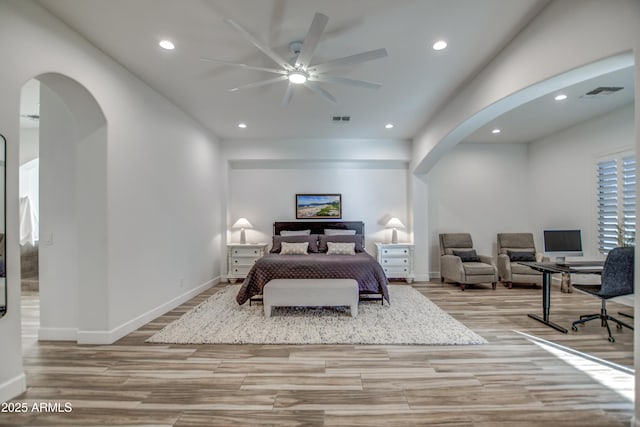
(317, 262)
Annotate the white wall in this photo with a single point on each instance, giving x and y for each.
(581, 32)
(58, 256)
(371, 175)
(563, 167)
(370, 193)
(485, 189)
(152, 189)
(29, 140)
(480, 189)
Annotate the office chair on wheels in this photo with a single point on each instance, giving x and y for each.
(617, 280)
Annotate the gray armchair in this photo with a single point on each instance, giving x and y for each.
(514, 247)
(459, 262)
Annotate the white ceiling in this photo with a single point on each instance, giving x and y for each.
(416, 79)
(545, 115)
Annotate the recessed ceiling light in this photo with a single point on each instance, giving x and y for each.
(560, 97)
(496, 131)
(439, 45)
(242, 125)
(166, 44)
(389, 126)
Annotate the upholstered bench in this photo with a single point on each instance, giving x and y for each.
(310, 293)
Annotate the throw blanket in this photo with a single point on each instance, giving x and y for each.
(362, 267)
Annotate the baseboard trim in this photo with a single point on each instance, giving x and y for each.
(12, 388)
(57, 334)
(421, 278)
(111, 336)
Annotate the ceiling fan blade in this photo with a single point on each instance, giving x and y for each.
(260, 83)
(358, 58)
(288, 94)
(347, 81)
(321, 91)
(257, 43)
(311, 40)
(248, 67)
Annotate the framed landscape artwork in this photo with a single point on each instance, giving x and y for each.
(318, 206)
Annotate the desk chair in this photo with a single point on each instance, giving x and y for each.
(617, 280)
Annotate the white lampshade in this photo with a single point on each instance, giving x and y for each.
(242, 223)
(394, 223)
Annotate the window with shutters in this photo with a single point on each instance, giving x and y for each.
(616, 202)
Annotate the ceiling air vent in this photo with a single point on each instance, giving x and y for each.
(604, 90)
(340, 119)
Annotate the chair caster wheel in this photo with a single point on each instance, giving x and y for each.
(574, 328)
(612, 339)
(619, 327)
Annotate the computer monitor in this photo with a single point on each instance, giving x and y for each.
(563, 243)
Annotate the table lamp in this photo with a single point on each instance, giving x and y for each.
(394, 223)
(242, 223)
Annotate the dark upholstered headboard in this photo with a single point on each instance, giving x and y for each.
(318, 227)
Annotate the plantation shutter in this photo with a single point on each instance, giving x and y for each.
(607, 205)
(629, 199)
(616, 203)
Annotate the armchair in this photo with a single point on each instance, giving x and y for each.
(460, 263)
(513, 247)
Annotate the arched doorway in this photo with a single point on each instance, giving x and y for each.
(72, 210)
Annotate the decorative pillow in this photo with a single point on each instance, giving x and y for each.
(521, 256)
(294, 248)
(358, 239)
(338, 232)
(311, 239)
(335, 248)
(295, 232)
(467, 255)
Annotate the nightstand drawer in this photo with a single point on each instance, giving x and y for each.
(246, 261)
(246, 252)
(395, 252)
(394, 261)
(240, 270)
(396, 271)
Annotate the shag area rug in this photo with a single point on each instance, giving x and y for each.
(410, 319)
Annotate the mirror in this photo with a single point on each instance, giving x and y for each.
(3, 197)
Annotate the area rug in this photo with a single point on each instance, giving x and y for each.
(411, 318)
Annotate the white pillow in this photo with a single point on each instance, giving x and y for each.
(295, 232)
(335, 248)
(294, 248)
(336, 232)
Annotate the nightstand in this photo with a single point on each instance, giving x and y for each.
(241, 257)
(396, 260)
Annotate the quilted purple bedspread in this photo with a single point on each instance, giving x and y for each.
(362, 267)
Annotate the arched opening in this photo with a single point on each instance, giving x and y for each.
(71, 210)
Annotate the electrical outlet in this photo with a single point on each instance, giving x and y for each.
(48, 238)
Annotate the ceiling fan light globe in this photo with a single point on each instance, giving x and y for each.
(297, 77)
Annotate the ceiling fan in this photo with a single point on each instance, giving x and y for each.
(299, 70)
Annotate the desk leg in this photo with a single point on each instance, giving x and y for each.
(546, 304)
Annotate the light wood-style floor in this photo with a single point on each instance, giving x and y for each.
(508, 382)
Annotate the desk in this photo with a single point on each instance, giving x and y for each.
(547, 269)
